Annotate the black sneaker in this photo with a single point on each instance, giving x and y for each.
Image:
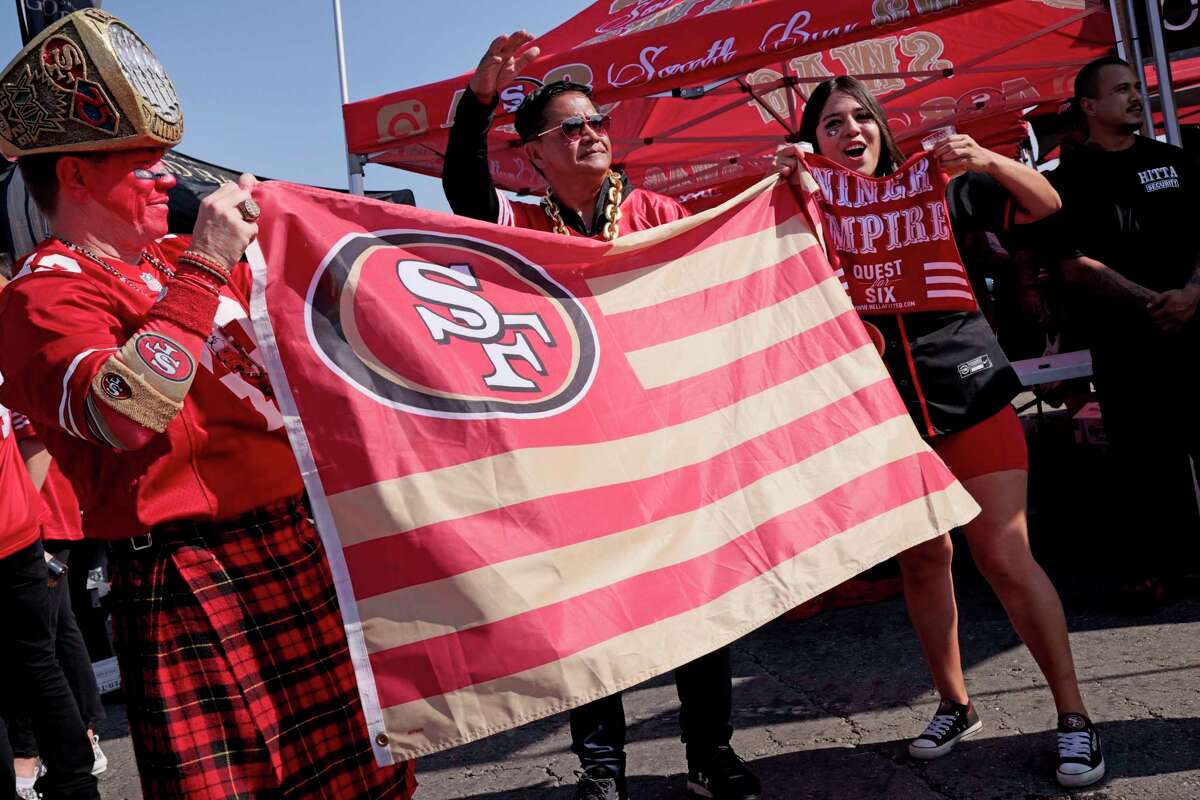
(1080, 761)
(951, 723)
(722, 775)
(597, 783)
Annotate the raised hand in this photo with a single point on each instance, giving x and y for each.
(501, 63)
(221, 232)
(789, 162)
(960, 153)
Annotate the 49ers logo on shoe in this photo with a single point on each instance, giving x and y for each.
(164, 357)
(450, 326)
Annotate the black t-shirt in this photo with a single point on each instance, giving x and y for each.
(958, 374)
(1134, 210)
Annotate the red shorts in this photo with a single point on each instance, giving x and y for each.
(994, 445)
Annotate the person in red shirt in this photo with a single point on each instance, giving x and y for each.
(61, 528)
(34, 683)
(566, 140)
(139, 369)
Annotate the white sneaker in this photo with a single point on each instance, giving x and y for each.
(25, 790)
(951, 724)
(99, 760)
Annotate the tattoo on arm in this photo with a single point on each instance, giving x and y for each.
(1107, 283)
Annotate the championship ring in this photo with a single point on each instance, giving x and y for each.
(87, 83)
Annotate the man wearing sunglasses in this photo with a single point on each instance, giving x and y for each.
(566, 140)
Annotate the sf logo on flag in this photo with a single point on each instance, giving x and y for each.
(473, 317)
(450, 326)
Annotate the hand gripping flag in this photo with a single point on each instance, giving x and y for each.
(547, 468)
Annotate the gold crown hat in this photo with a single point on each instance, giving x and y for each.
(87, 83)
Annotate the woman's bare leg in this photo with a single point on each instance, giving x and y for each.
(999, 540)
(929, 594)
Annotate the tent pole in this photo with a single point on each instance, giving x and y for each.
(1128, 49)
(1166, 91)
(1139, 65)
(354, 169)
(750, 91)
(1118, 30)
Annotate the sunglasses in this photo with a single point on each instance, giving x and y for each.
(572, 127)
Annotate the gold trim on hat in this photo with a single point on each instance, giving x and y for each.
(88, 83)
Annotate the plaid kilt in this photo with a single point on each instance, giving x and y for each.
(235, 666)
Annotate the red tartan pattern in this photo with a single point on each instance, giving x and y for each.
(236, 669)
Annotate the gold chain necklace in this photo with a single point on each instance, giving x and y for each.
(612, 209)
(97, 259)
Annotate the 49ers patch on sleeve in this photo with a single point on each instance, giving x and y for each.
(892, 236)
(114, 386)
(164, 357)
(147, 379)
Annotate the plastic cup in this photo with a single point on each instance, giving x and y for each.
(936, 136)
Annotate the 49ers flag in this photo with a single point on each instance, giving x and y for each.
(547, 468)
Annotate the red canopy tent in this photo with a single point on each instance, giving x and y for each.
(1185, 78)
(703, 91)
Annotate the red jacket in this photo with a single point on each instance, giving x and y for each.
(22, 511)
(224, 454)
(63, 524)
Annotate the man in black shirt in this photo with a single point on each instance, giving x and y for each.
(1129, 247)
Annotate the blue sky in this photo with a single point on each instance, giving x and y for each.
(258, 78)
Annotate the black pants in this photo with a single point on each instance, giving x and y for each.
(8, 778)
(90, 613)
(1149, 398)
(33, 681)
(73, 657)
(705, 689)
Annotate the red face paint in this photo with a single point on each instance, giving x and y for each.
(133, 186)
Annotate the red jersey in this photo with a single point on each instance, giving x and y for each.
(639, 210)
(224, 454)
(22, 511)
(63, 524)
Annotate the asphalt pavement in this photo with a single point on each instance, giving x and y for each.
(823, 708)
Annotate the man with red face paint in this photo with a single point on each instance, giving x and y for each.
(566, 139)
(131, 352)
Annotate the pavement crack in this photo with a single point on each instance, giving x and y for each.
(774, 739)
(855, 730)
(877, 750)
(1146, 707)
(558, 779)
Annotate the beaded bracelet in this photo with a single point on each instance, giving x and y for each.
(194, 258)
